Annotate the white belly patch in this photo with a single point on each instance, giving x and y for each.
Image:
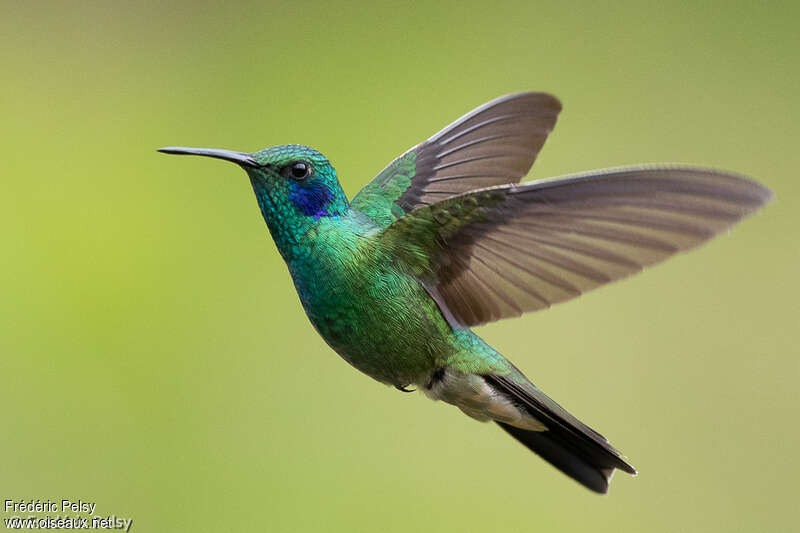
(471, 394)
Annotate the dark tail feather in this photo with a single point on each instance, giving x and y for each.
(591, 467)
(568, 444)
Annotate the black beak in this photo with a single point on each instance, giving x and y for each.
(240, 158)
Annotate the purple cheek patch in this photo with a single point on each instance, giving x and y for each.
(311, 199)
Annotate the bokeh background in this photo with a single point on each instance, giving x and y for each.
(155, 358)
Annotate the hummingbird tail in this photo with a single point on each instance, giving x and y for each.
(569, 445)
(568, 454)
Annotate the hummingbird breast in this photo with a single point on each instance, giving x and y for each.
(377, 317)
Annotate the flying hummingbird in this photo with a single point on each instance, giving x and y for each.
(446, 238)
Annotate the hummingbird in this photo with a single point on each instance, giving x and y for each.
(446, 238)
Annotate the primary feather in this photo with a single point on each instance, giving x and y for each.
(496, 143)
(501, 251)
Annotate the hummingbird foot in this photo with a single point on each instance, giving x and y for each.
(403, 388)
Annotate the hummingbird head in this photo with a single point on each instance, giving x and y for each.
(296, 187)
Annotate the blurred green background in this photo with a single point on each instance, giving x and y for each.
(155, 358)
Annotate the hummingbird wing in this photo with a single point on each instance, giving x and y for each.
(493, 144)
(501, 251)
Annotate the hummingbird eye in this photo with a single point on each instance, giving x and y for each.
(298, 170)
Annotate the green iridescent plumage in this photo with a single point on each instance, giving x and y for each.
(445, 238)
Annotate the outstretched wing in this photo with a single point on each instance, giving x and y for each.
(502, 251)
(494, 144)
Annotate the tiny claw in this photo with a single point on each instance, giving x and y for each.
(403, 388)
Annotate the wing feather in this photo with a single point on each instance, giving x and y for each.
(494, 144)
(505, 250)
